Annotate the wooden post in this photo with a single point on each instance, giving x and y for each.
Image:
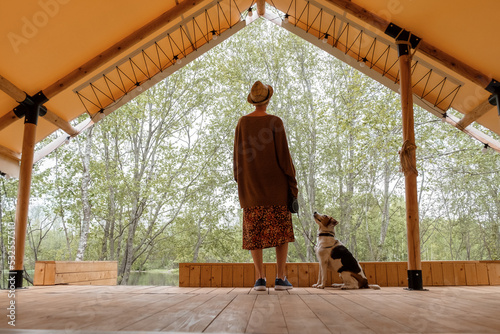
(23, 197)
(409, 168)
(31, 112)
(261, 7)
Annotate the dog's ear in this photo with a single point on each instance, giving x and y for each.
(333, 221)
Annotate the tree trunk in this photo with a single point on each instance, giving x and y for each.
(85, 187)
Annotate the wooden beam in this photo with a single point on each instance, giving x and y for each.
(261, 7)
(474, 114)
(23, 193)
(19, 95)
(49, 148)
(433, 52)
(9, 153)
(10, 89)
(8, 119)
(60, 123)
(119, 47)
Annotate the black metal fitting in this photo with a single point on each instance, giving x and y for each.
(494, 99)
(415, 280)
(32, 107)
(15, 279)
(400, 34)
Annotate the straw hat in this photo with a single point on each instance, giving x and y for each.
(260, 94)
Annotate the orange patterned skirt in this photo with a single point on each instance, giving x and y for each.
(267, 226)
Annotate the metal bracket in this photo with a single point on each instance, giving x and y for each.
(32, 107)
(405, 40)
(494, 99)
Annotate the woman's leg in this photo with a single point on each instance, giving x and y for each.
(258, 262)
(281, 254)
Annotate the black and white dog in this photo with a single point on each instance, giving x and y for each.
(333, 255)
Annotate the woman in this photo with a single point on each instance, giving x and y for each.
(265, 174)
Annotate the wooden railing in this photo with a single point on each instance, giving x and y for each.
(435, 273)
(75, 272)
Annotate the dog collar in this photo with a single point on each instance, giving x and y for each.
(327, 234)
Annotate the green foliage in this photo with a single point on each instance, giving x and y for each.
(162, 188)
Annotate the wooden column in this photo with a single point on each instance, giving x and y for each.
(261, 7)
(31, 113)
(409, 168)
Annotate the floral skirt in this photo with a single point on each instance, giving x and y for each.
(267, 226)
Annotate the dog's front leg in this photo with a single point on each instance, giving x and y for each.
(320, 269)
(323, 267)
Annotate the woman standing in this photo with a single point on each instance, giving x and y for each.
(265, 174)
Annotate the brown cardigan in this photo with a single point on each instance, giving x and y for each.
(263, 167)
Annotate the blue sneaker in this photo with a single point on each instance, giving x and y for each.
(260, 285)
(280, 284)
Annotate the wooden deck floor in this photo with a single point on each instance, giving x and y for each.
(143, 309)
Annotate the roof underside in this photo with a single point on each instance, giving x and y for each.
(57, 47)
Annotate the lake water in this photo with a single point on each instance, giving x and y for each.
(170, 278)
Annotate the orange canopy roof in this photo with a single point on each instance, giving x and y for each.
(91, 57)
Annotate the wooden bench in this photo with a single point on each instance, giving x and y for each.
(435, 273)
(76, 272)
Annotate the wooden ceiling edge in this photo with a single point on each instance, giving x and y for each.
(49, 148)
(475, 133)
(475, 114)
(19, 96)
(8, 153)
(431, 51)
(53, 145)
(90, 66)
(119, 47)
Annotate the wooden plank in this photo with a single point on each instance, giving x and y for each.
(292, 273)
(82, 266)
(426, 273)
(303, 269)
(381, 273)
(459, 270)
(206, 276)
(494, 272)
(216, 275)
(84, 277)
(227, 276)
(470, 274)
(194, 275)
(371, 318)
(332, 316)
(370, 272)
(448, 273)
(106, 281)
(298, 316)
(267, 316)
(403, 274)
(313, 273)
(238, 276)
(234, 318)
(50, 274)
(437, 273)
(249, 275)
(159, 320)
(183, 274)
(39, 274)
(482, 274)
(270, 274)
(392, 274)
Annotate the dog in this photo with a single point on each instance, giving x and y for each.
(333, 255)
